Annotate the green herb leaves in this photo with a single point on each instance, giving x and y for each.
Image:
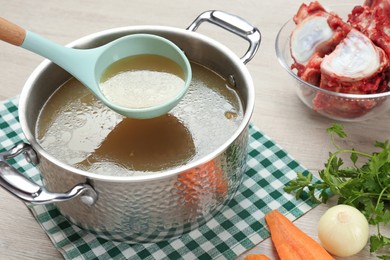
(363, 184)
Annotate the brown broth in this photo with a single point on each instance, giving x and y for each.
(79, 130)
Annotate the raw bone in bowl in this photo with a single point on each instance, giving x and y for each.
(343, 57)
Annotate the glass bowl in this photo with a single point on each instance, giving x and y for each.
(334, 105)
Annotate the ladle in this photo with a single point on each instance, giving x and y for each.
(88, 65)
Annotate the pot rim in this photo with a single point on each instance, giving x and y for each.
(248, 110)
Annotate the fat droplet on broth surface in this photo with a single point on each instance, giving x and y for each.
(231, 115)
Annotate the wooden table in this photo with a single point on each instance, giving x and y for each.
(278, 111)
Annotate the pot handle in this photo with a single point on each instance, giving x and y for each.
(23, 188)
(234, 24)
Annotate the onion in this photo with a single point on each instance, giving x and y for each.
(343, 230)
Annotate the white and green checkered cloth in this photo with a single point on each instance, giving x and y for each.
(236, 229)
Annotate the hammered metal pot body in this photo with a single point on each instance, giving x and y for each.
(160, 206)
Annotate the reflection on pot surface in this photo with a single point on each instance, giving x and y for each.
(78, 129)
(142, 145)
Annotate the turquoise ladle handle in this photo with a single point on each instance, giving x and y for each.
(76, 62)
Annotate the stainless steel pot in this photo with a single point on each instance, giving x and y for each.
(140, 208)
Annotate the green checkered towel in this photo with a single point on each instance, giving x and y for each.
(236, 229)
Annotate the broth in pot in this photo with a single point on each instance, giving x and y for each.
(76, 128)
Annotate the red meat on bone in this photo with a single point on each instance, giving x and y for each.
(373, 20)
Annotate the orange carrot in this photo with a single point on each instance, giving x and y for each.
(291, 242)
(257, 257)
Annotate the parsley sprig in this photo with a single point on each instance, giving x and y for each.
(363, 185)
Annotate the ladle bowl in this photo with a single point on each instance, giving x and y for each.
(88, 65)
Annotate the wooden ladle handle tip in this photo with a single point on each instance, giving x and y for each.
(11, 33)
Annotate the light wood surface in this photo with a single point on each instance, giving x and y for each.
(278, 111)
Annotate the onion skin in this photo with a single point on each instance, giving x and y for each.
(343, 230)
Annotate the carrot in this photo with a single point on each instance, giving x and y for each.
(257, 257)
(291, 242)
